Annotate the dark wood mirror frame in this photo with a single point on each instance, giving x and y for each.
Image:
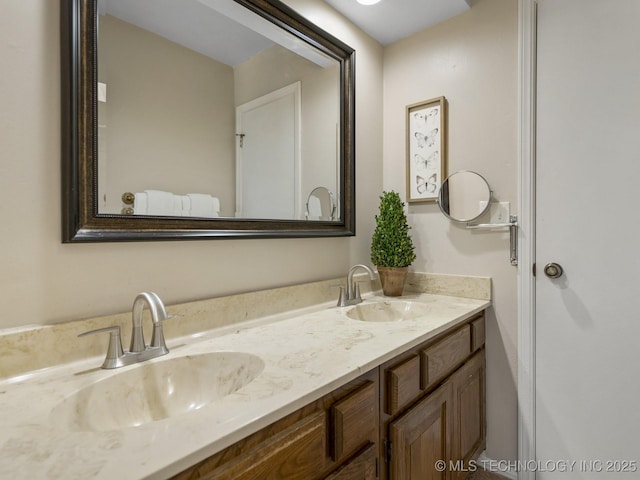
(81, 221)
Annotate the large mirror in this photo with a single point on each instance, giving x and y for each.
(202, 118)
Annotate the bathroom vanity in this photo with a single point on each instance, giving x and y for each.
(293, 388)
(395, 421)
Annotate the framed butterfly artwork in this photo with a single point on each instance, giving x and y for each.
(426, 149)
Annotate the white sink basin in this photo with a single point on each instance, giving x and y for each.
(153, 391)
(388, 311)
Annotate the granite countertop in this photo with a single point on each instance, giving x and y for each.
(306, 354)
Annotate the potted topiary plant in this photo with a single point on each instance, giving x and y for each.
(392, 250)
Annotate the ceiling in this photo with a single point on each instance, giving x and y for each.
(391, 20)
(192, 24)
(229, 33)
(220, 29)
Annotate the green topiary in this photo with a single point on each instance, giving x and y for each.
(391, 245)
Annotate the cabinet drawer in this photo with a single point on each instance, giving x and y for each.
(403, 384)
(444, 356)
(477, 333)
(296, 453)
(354, 421)
(362, 467)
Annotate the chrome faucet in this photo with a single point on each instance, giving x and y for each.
(158, 315)
(138, 350)
(352, 295)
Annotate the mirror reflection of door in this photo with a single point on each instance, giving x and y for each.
(176, 71)
(268, 155)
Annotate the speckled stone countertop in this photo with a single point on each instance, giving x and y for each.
(307, 353)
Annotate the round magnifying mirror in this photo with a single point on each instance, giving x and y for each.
(321, 204)
(464, 196)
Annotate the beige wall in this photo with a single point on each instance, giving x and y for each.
(191, 150)
(44, 281)
(471, 60)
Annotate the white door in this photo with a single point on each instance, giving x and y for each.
(268, 156)
(588, 221)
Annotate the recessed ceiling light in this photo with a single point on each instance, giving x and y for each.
(368, 2)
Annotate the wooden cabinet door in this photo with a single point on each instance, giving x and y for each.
(468, 413)
(362, 467)
(422, 437)
(297, 453)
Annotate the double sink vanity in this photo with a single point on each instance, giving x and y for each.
(273, 384)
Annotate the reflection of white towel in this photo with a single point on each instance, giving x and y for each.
(163, 203)
(203, 205)
(140, 204)
(177, 205)
(185, 205)
(314, 208)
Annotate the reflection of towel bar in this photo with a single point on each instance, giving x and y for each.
(128, 198)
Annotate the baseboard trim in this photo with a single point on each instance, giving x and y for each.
(504, 468)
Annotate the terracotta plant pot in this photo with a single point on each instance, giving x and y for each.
(392, 280)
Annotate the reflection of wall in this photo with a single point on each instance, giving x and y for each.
(466, 191)
(189, 150)
(471, 60)
(277, 67)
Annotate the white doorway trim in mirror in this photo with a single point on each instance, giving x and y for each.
(268, 155)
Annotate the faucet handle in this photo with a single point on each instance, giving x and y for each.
(114, 351)
(342, 299)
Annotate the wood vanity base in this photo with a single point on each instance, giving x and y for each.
(395, 422)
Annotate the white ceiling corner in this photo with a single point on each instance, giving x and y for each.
(220, 29)
(392, 20)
